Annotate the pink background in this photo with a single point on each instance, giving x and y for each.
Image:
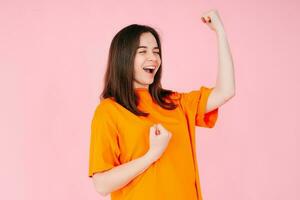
(53, 56)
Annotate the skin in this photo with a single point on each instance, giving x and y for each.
(145, 56)
(119, 176)
(224, 89)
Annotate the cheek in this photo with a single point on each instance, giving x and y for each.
(136, 65)
(137, 70)
(159, 60)
(138, 60)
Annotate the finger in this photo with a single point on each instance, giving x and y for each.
(209, 19)
(152, 129)
(206, 19)
(156, 128)
(157, 132)
(160, 126)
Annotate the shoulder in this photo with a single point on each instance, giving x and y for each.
(105, 117)
(105, 108)
(183, 97)
(173, 96)
(106, 103)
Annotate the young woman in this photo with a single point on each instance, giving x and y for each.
(143, 136)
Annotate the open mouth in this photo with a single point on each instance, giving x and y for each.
(149, 69)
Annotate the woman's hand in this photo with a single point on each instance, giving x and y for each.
(213, 20)
(159, 138)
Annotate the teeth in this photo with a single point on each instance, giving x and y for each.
(149, 67)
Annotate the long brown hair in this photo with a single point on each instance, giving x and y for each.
(118, 81)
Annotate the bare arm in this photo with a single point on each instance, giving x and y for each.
(225, 87)
(225, 84)
(117, 177)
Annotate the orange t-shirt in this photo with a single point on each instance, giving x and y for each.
(119, 136)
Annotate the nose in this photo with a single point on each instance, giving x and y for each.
(152, 56)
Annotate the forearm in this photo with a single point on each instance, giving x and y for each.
(121, 175)
(225, 79)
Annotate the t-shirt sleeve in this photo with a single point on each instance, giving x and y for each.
(194, 103)
(104, 148)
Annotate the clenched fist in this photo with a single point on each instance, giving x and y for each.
(159, 138)
(213, 20)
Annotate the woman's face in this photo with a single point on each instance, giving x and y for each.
(147, 61)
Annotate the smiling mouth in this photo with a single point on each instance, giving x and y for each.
(149, 69)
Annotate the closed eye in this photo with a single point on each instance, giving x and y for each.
(145, 52)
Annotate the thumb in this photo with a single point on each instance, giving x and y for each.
(159, 126)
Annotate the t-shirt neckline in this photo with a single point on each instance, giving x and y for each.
(141, 89)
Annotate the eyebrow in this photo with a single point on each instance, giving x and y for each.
(147, 47)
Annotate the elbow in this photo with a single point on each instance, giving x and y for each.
(99, 185)
(100, 190)
(229, 95)
(225, 95)
(103, 194)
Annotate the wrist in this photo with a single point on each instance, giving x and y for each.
(149, 158)
(220, 31)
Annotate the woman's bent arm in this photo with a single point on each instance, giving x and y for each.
(119, 176)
